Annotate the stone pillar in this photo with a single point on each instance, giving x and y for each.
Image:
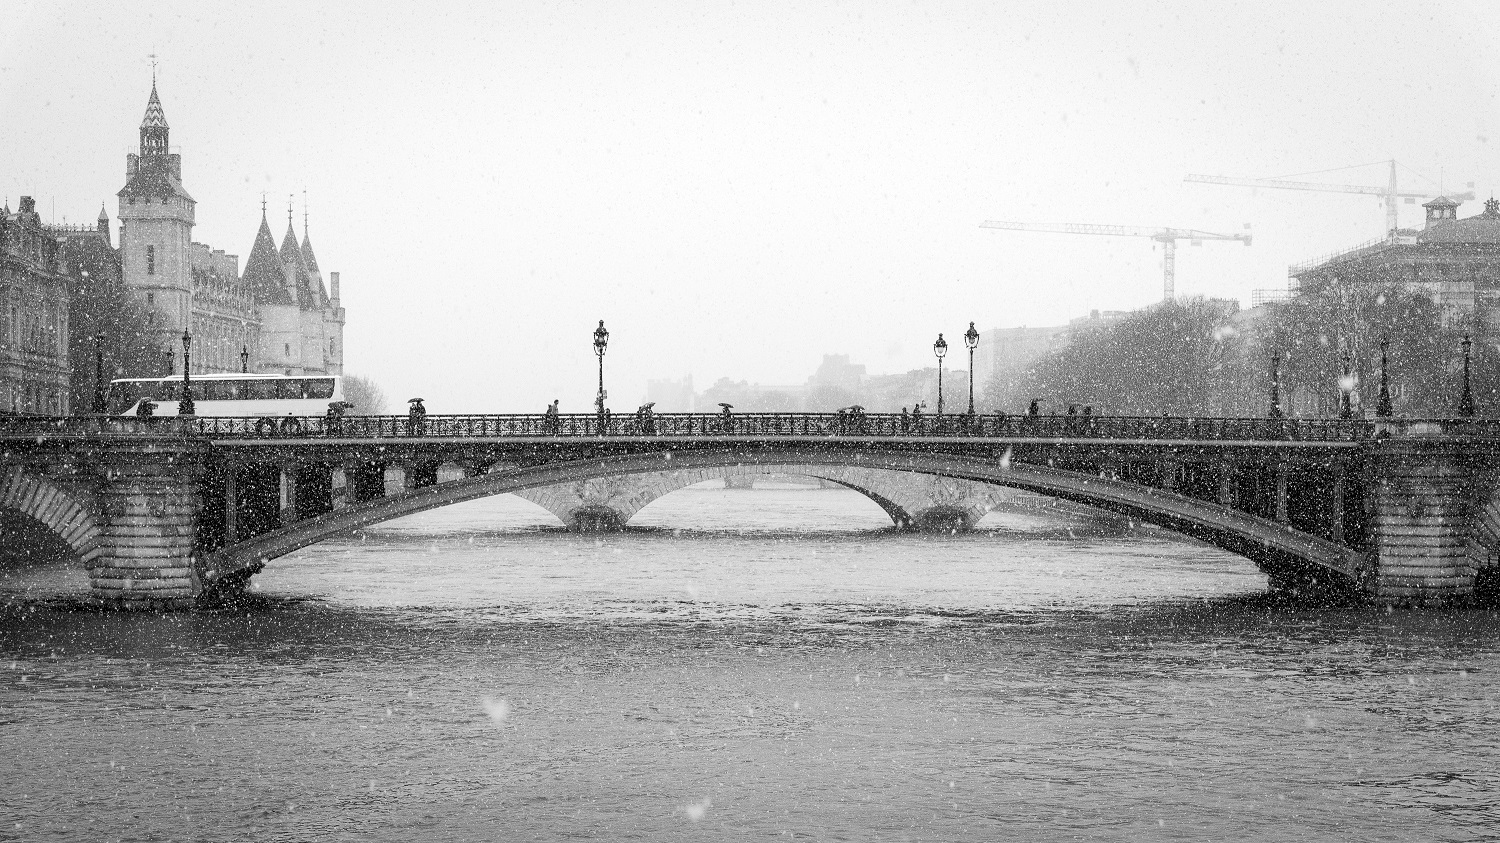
(1422, 528)
(288, 494)
(340, 482)
(395, 480)
(1283, 470)
(1226, 485)
(151, 501)
(231, 504)
(1169, 475)
(1336, 516)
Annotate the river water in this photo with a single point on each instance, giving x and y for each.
(747, 665)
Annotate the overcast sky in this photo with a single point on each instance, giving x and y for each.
(738, 189)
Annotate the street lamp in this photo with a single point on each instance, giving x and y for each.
(601, 342)
(185, 405)
(940, 348)
(971, 340)
(244, 359)
(1466, 399)
(99, 406)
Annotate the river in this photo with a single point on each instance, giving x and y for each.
(746, 665)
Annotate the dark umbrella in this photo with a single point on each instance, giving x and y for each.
(726, 406)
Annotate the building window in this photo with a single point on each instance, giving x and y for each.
(332, 346)
(287, 348)
(150, 260)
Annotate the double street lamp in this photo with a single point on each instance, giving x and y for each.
(940, 348)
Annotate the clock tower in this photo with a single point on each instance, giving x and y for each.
(156, 227)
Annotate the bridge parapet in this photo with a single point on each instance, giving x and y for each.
(696, 425)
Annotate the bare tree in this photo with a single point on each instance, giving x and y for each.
(367, 397)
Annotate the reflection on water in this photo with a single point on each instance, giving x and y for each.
(750, 664)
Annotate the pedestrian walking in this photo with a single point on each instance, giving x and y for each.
(551, 423)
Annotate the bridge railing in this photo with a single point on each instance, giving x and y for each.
(793, 425)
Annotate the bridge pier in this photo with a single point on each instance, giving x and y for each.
(150, 500)
(1423, 528)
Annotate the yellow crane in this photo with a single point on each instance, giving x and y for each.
(1390, 192)
(1168, 237)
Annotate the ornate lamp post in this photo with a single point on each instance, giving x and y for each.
(940, 348)
(244, 359)
(99, 405)
(601, 342)
(185, 405)
(1276, 411)
(1383, 403)
(971, 341)
(1466, 399)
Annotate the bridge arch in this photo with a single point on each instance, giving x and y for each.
(910, 499)
(1276, 548)
(66, 512)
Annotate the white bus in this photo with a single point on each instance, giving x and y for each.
(229, 395)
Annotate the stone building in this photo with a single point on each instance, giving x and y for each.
(34, 323)
(1454, 262)
(278, 310)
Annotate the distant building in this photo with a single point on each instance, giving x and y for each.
(1004, 354)
(34, 323)
(1454, 262)
(278, 310)
(671, 396)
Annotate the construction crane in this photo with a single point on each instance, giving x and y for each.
(1168, 237)
(1390, 192)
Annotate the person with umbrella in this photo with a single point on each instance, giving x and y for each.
(416, 417)
(645, 418)
(726, 418)
(333, 422)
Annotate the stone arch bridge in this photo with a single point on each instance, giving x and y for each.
(170, 512)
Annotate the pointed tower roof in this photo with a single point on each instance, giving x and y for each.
(155, 176)
(290, 251)
(155, 118)
(308, 257)
(264, 272)
(103, 215)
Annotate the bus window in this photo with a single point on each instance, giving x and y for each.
(289, 388)
(233, 390)
(166, 391)
(215, 391)
(320, 388)
(261, 390)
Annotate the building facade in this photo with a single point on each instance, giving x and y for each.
(276, 317)
(1454, 262)
(34, 322)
